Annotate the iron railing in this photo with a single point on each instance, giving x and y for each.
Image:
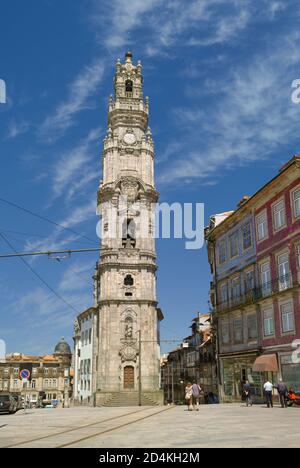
(280, 284)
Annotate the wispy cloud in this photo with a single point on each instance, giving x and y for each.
(75, 169)
(60, 238)
(78, 276)
(15, 129)
(117, 20)
(252, 117)
(80, 90)
(167, 23)
(44, 316)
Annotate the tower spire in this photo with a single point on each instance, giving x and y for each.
(126, 275)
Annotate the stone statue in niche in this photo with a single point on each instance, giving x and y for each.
(128, 328)
(128, 331)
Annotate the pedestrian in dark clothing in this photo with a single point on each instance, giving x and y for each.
(282, 392)
(247, 393)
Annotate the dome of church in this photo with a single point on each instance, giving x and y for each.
(62, 347)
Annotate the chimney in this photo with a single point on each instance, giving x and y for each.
(243, 200)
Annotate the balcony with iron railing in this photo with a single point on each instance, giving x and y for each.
(278, 285)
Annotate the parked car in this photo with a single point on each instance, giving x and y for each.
(7, 404)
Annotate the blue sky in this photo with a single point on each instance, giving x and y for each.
(218, 74)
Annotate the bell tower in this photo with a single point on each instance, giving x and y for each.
(127, 346)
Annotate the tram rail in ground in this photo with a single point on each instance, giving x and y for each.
(59, 444)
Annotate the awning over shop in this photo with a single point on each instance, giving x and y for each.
(266, 363)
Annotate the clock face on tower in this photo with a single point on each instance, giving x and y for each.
(129, 138)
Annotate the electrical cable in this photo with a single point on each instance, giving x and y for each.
(38, 275)
(3, 200)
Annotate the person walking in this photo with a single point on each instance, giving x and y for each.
(282, 392)
(189, 396)
(268, 388)
(247, 393)
(196, 389)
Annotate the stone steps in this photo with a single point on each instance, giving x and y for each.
(129, 399)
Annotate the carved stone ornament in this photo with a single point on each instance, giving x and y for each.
(129, 190)
(76, 327)
(128, 352)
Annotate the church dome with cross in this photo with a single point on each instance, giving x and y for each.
(62, 347)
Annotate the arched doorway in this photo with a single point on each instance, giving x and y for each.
(128, 377)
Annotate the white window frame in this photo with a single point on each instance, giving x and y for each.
(251, 235)
(224, 298)
(236, 288)
(236, 236)
(290, 318)
(266, 285)
(279, 217)
(247, 274)
(296, 203)
(269, 321)
(234, 320)
(262, 221)
(284, 272)
(222, 244)
(225, 323)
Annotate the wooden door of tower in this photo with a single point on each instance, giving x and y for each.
(128, 377)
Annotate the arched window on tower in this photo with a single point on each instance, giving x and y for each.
(128, 235)
(128, 281)
(128, 88)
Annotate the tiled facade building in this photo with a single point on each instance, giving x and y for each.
(254, 253)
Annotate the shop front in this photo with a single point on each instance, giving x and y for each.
(235, 370)
(290, 371)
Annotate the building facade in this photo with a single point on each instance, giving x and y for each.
(277, 215)
(255, 289)
(84, 329)
(50, 376)
(194, 360)
(126, 353)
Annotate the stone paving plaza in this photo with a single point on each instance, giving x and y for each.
(173, 427)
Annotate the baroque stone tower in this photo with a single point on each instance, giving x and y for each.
(128, 319)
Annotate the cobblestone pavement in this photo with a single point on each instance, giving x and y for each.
(170, 427)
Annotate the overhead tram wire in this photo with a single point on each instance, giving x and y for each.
(28, 235)
(43, 218)
(48, 252)
(39, 276)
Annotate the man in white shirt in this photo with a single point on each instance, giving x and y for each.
(268, 388)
